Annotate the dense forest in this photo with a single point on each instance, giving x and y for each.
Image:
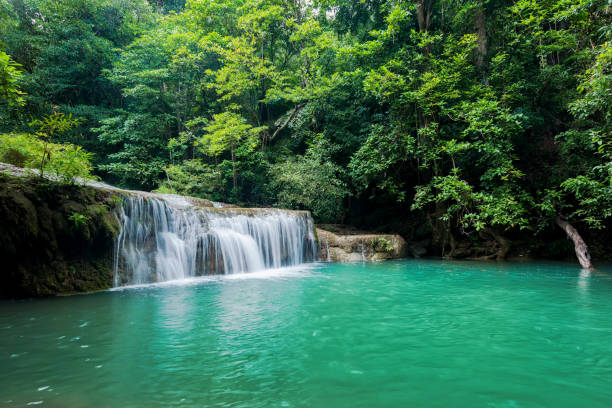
(481, 126)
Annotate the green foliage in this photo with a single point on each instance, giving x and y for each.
(226, 131)
(593, 199)
(9, 78)
(194, 178)
(53, 125)
(480, 116)
(49, 127)
(380, 160)
(68, 162)
(502, 208)
(79, 220)
(229, 131)
(381, 244)
(310, 183)
(585, 186)
(139, 157)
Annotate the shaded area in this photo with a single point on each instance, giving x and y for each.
(55, 238)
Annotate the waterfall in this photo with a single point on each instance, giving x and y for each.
(363, 254)
(165, 237)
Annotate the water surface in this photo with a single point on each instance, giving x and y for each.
(406, 333)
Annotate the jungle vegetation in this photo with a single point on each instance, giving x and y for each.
(476, 124)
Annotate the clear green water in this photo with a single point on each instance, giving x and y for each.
(410, 333)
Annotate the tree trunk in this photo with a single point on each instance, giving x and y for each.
(284, 125)
(423, 14)
(234, 172)
(582, 252)
(480, 24)
(504, 245)
(424, 19)
(453, 244)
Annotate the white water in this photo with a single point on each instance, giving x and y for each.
(363, 254)
(298, 271)
(167, 238)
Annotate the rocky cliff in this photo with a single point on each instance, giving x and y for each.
(54, 238)
(59, 239)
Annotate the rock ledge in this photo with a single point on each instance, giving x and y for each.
(340, 244)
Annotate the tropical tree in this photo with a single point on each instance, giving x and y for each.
(229, 131)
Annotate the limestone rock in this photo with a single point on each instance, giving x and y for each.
(350, 246)
(55, 238)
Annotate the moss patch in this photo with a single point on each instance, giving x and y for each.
(55, 238)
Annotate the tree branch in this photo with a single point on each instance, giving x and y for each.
(284, 125)
(582, 252)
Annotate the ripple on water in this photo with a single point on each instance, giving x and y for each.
(382, 335)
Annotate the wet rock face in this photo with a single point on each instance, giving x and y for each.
(54, 239)
(357, 247)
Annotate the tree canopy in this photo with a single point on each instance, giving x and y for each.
(455, 120)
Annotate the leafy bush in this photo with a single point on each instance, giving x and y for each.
(193, 178)
(382, 244)
(9, 78)
(65, 161)
(79, 220)
(310, 183)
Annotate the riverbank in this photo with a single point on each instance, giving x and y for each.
(60, 239)
(63, 239)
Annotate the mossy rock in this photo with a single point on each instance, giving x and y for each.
(44, 252)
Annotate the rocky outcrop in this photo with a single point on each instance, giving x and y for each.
(345, 245)
(58, 239)
(54, 238)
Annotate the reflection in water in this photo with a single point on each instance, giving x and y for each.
(410, 333)
(583, 280)
(176, 312)
(239, 310)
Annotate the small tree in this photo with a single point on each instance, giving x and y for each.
(226, 132)
(49, 127)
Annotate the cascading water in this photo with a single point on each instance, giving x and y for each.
(167, 238)
(363, 254)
